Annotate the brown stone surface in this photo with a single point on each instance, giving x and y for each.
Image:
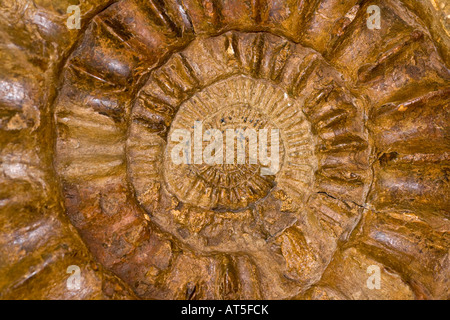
(86, 179)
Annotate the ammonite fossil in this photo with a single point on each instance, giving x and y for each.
(349, 124)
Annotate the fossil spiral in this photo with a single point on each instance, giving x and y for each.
(88, 179)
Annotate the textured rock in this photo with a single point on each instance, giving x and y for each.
(86, 178)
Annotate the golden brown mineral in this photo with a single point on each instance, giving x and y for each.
(349, 198)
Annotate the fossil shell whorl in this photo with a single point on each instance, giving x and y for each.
(363, 123)
(219, 78)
